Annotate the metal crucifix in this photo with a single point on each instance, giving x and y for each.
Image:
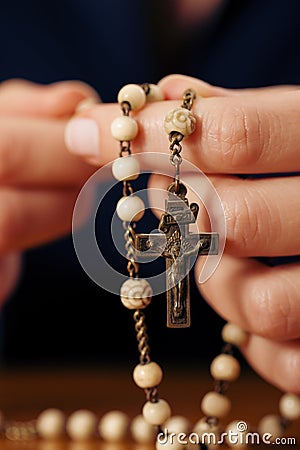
(177, 245)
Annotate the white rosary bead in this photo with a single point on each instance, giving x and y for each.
(205, 431)
(50, 424)
(113, 426)
(81, 425)
(124, 128)
(271, 424)
(156, 413)
(142, 432)
(181, 120)
(234, 334)
(126, 168)
(136, 293)
(177, 424)
(170, 443)
(236, 434)
(155, 94)
(132, 94)
(225, 367)
(130, 208)
(214, 404)
(147, 375)
(289, 406)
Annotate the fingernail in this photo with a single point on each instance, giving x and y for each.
(82, 137)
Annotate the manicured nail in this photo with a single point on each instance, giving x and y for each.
(82, 137)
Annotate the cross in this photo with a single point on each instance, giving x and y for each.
(177, 245)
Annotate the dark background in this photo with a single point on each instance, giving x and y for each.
(58, 315)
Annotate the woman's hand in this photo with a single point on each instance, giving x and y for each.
(39, 179)
(239, 132)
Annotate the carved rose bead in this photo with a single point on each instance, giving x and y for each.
(136, 293)
(181, 120)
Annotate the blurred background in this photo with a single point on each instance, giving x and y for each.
(57, 315)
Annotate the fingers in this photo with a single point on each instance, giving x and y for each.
(29, 218)
(263, 300)
(174, 85)
(234, 134)
(32, 153)
(54, 100)
(261, 215)
(10, 268)
(276, 362)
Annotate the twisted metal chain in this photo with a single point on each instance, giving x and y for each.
(175, 138)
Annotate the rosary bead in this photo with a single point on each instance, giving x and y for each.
(233, 334)
(81, 425)
(136, 293)
(130, 208)
(236, 434)
(124, 128)
(147, 375)
(141, 431)
(214, 404)
(181, 120)
(126, 168)
(289, 406)
(132, 94)
(271, 424)
(169, 444)
(156, 413)
(155, 93)
(113, 426)
(177, 424)
(225, 368)
(50, 424)
(205, 431)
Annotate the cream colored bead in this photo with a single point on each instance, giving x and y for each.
(236, 434)
(141, 431)
(113, 426)
(225, 367)
(136, 293)
(214, 404)
(181, 120)
(233, 334)
(124, 128)
(126, 168)
(289, 406)
(130, 208)
(177, 424)
(156, 413)
(207, 433)
(171, 443)
(81, 425)
(132, 94)
(270, 424)
(50, 424)
(202, 426)
(155, 93)
(147, 375)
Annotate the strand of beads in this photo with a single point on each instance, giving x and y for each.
(136, 293)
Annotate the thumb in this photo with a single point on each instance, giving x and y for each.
(21, 97)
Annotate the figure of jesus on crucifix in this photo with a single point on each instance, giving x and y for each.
(180, 248)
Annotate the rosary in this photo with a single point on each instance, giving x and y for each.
(179, 247)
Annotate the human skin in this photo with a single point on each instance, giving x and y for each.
(39, 179)
(253, 131)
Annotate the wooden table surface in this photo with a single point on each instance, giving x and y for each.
(24, 393)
